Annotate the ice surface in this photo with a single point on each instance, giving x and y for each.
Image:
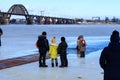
(19, 40)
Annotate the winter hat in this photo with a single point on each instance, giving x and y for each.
(62, 38)
(44, 33)
(81, 36)
(115, 36)
(53, 40)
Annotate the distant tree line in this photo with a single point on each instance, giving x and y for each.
(107, 20)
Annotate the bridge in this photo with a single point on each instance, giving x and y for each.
(19, 9)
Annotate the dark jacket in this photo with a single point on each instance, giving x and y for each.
(62, 48)
(1, 32)
(43, 44)
(110, 61)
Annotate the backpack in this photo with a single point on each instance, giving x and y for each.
(37, 45)
(41, 42)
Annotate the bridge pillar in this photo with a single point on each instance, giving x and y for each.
(51, 20)
(54, 21)
(29, 19)
(4, 19)
(64, 21)
(59, 21)
(68, 21)
(47, 20)
(1, 20)
(41, 20)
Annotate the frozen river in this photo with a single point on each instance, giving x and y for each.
(19, 40)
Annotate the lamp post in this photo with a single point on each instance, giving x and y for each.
(42, 12)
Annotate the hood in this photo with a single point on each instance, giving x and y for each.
(115, 36)
(114, 46)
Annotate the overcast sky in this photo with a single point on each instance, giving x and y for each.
(68, 8)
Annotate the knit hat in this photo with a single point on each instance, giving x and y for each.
(53, 41)
(63, 39)
(115, 36)
(81, 36)
(44, 33)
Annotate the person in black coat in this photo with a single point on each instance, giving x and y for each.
(1, 33)
(110, 58)
(43, 46)
(62, 50)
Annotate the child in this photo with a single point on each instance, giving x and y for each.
(62, 50)
(53, 52)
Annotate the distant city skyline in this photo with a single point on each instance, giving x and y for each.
(67, 8)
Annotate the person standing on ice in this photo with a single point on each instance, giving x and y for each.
(1, 33)
(53, 52)
(43, 46)
(110, 58)
(81, 46)
(62, 50)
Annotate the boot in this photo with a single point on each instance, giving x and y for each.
(45, 65)
(40, 64)
(56, 64)
(56, 61)
(52, 64)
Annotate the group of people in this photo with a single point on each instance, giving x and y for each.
(109, 58)
(53, 49)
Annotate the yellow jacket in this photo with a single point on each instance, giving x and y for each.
(53, 51)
